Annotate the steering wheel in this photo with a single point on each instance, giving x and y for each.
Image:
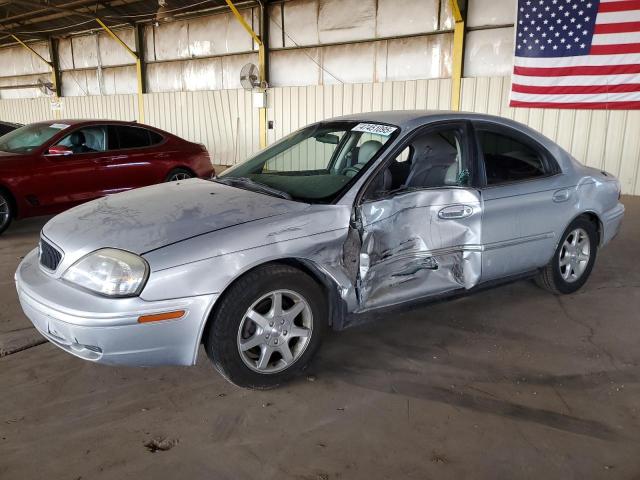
(353, 169)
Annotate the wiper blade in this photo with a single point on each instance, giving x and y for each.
(252, 185)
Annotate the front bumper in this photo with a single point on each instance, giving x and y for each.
(106, 330)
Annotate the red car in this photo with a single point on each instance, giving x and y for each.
(48, 167)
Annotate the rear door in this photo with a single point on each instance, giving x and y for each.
(134, 158)
(526, 201)
(420, 221)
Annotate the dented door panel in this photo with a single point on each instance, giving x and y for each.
(417, 244)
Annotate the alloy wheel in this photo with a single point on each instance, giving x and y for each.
(574, 255)
(179, 176)
(5, 211)
(275, 331)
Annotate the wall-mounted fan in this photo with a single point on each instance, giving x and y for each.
(250, 77)
(46, 87)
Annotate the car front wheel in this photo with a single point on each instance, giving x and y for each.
(6, 212)
(267, 327)
(573, 259)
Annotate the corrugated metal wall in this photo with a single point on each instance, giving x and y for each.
(226, 123)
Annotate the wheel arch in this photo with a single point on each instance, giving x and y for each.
(330, 289)
(594, 218)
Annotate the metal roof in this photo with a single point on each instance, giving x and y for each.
(33, 20)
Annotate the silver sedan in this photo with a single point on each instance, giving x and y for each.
(337, 219)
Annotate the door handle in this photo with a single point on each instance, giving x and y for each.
(453, 212)
(561, 195)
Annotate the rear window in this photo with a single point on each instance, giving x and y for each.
(133, 137)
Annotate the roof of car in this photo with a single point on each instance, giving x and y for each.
(412, 118)
(87, 121)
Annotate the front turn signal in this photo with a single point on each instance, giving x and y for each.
(158, 317)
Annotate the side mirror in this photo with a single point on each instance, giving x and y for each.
(59, 150)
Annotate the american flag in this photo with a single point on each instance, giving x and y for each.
(577, 54)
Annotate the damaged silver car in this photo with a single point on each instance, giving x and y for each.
(339, 218)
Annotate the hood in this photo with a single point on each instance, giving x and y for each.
(152, 217)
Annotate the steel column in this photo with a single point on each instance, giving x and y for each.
(458, 53)
(139, 73)
(262, 63)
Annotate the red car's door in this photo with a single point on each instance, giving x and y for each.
(134, 160)
(72, 177)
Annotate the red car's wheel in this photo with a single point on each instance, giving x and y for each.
(6, 211)
(179, 174)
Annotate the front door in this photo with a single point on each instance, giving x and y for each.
(420, 221)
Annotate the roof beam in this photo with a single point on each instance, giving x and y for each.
(37, 14)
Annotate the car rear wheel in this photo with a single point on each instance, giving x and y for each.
(6, 211)
(179, 174)
(267, 327)
(573, 260)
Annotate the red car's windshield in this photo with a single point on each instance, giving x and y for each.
(30, 137)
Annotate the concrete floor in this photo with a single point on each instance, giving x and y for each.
(510, 383)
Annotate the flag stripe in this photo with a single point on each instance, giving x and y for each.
(589, 105)
(577, 80)
(616, 38)
(577, 61)
(617, 27)
(571, 89)
(616, 17)
(619, 6)
(577, 97)
(613, 49)
(583, 70)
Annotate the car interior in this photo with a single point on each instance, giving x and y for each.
(86, 140)
(431, 160)
(507, 160)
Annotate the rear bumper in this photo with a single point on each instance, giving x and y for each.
(110, 332)
(611, 221)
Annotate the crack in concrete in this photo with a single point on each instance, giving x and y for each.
(591, 334)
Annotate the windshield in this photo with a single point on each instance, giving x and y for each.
(30, 137)
(314, 164)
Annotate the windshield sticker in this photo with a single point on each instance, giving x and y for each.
(384, 130)
(59, 126)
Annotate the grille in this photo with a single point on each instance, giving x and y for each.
(49, 256)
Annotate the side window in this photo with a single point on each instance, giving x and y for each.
(314, 153)
(508, 160)
(86, 140)
(112, 138)
(133, 137)
(155, 138)
(431, 160)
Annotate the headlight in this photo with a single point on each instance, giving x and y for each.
(110, 272)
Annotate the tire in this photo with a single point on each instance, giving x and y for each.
(243, 365)
(565, 273)
(179, 174)
(6, 211)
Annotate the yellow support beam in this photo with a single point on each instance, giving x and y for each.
(261, 68)
(138, 67)
(54, 80)
(458, 49)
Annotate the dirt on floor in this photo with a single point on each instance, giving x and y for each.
(509, 383)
